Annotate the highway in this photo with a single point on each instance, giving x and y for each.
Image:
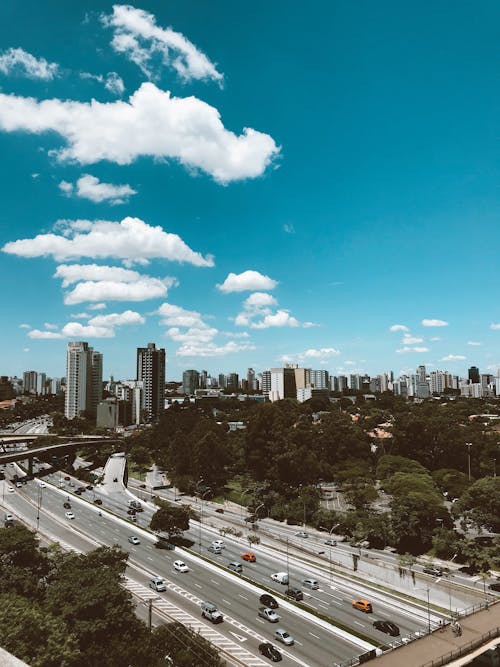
(314, 645)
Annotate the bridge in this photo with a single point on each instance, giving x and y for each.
(60, 447)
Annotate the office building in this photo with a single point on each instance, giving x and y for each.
(474, 375)
(29, 382)
(83, 380)
(283, 383)
(151, 372)
(190, 382)
(265, 382)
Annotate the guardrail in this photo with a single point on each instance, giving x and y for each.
(464, 650)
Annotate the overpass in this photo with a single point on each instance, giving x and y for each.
(61, 448)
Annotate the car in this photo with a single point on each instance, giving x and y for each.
(139, 509)
(9, 518)
(43, 485)
(235, 567)
(311, 583)
(142, 486)
(67, 506)
(134, 540)
(251, 519)
(210, 611)
(180, 566)
(269, 651)
(362, 605)
(78, 492)
(18, 485)
(388, 627)
(301, 533)
(163, 543)
(268, 601)
(131, 511)
(280, 577)
(10, 489)
(331, 543)
(82, 489)
(214, 549)
(98, 501)
(157, 584)
(220, 510)
(495, 586)
(249, 557)
(67, 478)
(294, 594)
(69, 515)
(434, 571)
(89, 487)
(284, 637)
(71, 484)
(219, 543)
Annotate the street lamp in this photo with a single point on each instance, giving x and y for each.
(208, 490)
(468, 445)
(241, 501)
(427, 588)
(38, 505)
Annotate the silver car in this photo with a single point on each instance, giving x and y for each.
(284, 637)
(310, 583)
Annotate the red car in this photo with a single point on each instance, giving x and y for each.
(250, 557)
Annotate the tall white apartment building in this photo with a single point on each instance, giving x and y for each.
(83, 379)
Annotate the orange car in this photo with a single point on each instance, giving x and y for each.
(250, 557)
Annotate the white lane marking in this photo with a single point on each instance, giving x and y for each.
(239, 637)
(361, 624)
(197, 585)
(214, 582)
(242, 596)
(299, 643)
(226, 602)
(313, 635)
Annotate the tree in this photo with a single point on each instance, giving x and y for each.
(171, 519)
(480, 504)
(39, 638)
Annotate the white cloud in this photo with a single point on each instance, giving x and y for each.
(411, 340)
(66, 188)
(90, 187)
(74, 273)
(97, 306)
(309, 325)
(454, 357)
(114, 84)
(322, 353)
(405, 349)
(434, 323)
(77, 330)
(137, 36)
(117, 319)
(398, 327)
(51, 327)
(48, 335)
(175, 316)
(26, 349)
(288, 228)
(248, 280)
(141, 290)
(18, 61)
(281, 318)
(130, 239)
(495, 326)
(25, 326)
(151, 124)
(80, 316)
(259, 300)
(474, 343)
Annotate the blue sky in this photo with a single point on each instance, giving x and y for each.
(307, 182)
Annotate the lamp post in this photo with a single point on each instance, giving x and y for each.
(241, 501)
(468, 445)
(201, 514)
(38, 506)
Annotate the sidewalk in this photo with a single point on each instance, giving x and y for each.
(422, 651)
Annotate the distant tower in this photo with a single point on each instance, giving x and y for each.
(151, 372)
(190, 382)
(474, 375)
(83, 379)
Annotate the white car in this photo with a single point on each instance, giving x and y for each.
(69, 515)
(134, 540)
(10, 489)
(9, 518)
(302, 533)
(18, 485)
(219, 543)
(43, 485)
(180, 566)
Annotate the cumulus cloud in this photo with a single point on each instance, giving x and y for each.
(24, 326)
(74, 273)
(18, 61)
(136, 35)
(196, 337)
(151, 124)
(322, 353)
(78, 330)
(281, 318)
(434, 323)
(97, 306)
(257, 313)
(404, 350)
(101, 326)
(80, 316)
(454, 357)
(411, 340)
(47, 335)
(131, 239)
(474, 343)
(50, 326)
(289, 228)
(309, 325)
(246, 281)
(398, 327)
(117, 319)
(141, 290)
(495, 326)
(90, 187)
(114, 84)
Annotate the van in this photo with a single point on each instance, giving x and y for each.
(280, 578)
(236, 567)
(363, 605)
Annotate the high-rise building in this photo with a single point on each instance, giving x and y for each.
(342, 382)
(83, 379)
(355, 382)
(151, 372)
(29, 382)
(319, 379)
(251, 380)
(266, 382)
(283, 383)
(474, 375)
(190, 382)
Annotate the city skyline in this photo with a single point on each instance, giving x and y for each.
(355, 232)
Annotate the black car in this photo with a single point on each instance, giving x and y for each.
(67, 506)
(269, 651)
(387, 626)
(294, 594)
(495, 586)
(164, 544)
(131, 511)
(89, 487)
(435, 571)
(268, 601)
(98, 501)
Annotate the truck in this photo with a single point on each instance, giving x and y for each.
(210, 611)
(269, 614)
